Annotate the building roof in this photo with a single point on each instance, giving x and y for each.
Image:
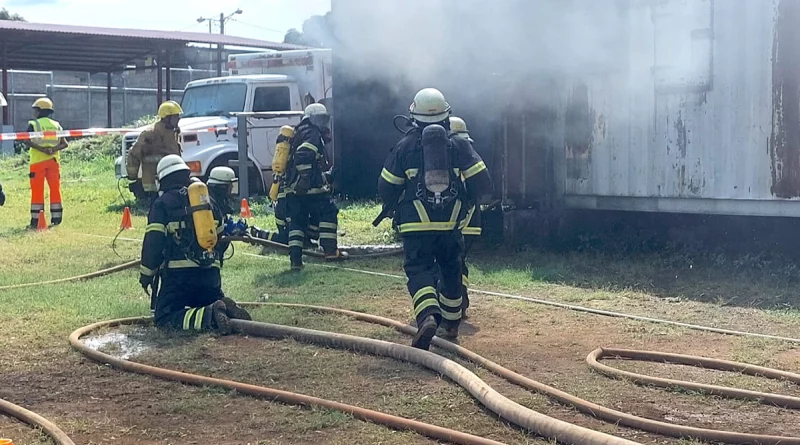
(36, 46)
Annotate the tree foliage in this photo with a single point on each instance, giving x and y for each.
(5, 15)
(316, 32)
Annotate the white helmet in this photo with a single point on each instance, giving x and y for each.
(222, 176)
(318, 115)
(429, 106)
(3, 102)
(170, 164)
(458, 126)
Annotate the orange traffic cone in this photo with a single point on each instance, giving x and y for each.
(126, 224)
(245, 210)
(41, 224)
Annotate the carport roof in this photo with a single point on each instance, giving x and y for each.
(36, 46)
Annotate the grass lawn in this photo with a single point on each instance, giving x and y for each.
(96, 404)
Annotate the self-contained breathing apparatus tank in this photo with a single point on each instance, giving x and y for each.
(202, 216)
(437, 186)
(283, 148)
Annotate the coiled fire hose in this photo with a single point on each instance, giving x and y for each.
(582, 405)
(463, 377)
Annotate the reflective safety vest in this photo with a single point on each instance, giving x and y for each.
(39, 125)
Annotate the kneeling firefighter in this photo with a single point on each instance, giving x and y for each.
(424, 172)
(472, 228)
(307, 186)
(182, 248)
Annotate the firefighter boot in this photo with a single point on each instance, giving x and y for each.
(234, 311)
(425, 332)
(219, 318)
(448, 332)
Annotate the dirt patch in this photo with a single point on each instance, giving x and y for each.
(97, 404)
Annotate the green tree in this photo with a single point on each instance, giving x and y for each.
(5, 15)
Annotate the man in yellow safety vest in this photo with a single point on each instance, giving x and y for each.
(45, 158)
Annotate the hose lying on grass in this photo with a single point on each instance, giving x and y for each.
(517, 414)
(36, 421)
(88, 276)
(601, 412)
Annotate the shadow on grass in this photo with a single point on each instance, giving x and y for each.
(284, 279)
(765, 281)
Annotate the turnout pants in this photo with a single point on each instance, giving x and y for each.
(185, 296)
(47, 170)
(468, 242)
(281, 235)
(301, 211)
(428, 255)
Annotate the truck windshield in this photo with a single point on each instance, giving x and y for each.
(214, 100)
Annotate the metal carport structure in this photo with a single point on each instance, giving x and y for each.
(46, 47)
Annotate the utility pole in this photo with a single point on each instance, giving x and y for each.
(220, 47)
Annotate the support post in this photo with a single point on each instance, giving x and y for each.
(243, 161)
(219, 45)
(108, 100)
(4, 63)
(159, 81)
(169, 74)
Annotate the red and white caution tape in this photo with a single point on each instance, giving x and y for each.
(23, 136)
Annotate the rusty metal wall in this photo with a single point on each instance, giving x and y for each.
(706, 106)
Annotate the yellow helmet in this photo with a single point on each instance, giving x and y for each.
(43, 103)
(169, 108)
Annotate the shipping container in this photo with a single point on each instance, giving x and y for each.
(679, 106)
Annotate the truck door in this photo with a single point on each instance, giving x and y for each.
(264, 130)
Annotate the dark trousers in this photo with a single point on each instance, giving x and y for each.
(468, 242)
(433, 266)
(301, 210)
(184, 298)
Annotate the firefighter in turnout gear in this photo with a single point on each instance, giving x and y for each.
(422, 181)
(472, 229)
(182, 255)
(160, 140)
(307, 187)
(45, 158)
(277, 193)
(223, 187)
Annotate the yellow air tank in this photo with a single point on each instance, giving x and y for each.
(200, 205)
(280, 159)
(282, 148)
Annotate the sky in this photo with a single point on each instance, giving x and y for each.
(260, 19)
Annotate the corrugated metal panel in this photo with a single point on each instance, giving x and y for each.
(690, 117)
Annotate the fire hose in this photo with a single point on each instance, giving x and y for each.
(136, 263)
(35, 420)
(517, 414)
(564, 398)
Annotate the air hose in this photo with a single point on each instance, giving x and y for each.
(36, 421)
(99, 273)
(524, 417)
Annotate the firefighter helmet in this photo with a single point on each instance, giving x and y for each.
(429, 106)
(170, 164)
(43, 103)
(222, 176)
(318, 115)
(169, 108)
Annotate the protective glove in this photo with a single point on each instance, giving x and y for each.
(2, 196)
(146, 282)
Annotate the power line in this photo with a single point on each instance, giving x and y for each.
(257, 26)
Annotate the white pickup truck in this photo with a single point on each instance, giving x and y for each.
(275, 85)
